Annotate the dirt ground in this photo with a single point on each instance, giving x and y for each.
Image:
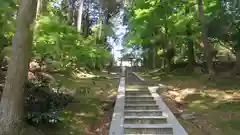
(91, 111)
(214, 105)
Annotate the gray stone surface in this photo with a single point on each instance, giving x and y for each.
(116, 127)
(139, 77)
(145, 117)
(143, 114)
(147, 125)
(143, 111)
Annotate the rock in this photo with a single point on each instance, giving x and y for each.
(177, 114)
(44, 68)
(34, 66)
(46, 76)
(179, 103)
(188, 116)
(31, 76)
(162, 86)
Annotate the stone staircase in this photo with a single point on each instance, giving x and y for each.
(143, 112)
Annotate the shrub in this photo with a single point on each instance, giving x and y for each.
(43, 104)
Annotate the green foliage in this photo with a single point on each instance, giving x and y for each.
(7, 22)
(60, 42)
(43, 104)
(175, 23)
(55, 41)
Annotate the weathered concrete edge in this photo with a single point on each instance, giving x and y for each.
(117, 123)
(177, 127)
(138, 76)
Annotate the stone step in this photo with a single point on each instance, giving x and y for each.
(138, 94)
(140, 102)
(138, 90)
(141, 107)
(134, 98)
(143, 113)
(143, 90)
(148, 129)
(145, 120)
(148, 134)
(158, 110)
(145, 117)
(140, 99)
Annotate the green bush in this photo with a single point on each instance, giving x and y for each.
(60, 42)
(43, 104)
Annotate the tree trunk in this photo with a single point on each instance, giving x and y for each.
(149, 59)
(80, 13)
(41, 7)
(100, 33)
(86, 26)
(207, 46)
(11, 107)
(144, 62)
(191, 59)
(169, 65)
(153, 56)
(190, 53)
(75, 18)
(236, 69)
(165, 45)
(70, 11)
